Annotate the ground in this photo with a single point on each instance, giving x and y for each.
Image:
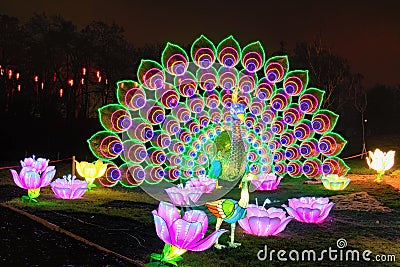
(366, 215)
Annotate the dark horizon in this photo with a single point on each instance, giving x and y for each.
(367, 34)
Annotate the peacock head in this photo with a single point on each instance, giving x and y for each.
(237, 111)
(248, 177)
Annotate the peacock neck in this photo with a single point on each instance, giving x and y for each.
(236, 162)
(236, 133)
(237, 158)
(244, 195)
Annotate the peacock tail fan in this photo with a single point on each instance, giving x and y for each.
(174, 121)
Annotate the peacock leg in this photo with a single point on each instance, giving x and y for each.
(232, 244)
(217, 186)
(217, 226)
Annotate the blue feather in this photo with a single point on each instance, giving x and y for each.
(215, 169)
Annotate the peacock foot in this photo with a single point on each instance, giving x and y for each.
(234, 245)
(219, 246)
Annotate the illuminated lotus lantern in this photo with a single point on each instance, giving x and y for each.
(68, 187)
(309, 209)
(181, 234)
(267, 182)
(184, 195)
(380, 162)
(206, 185)
(91, 171)
(335, 182)
(33, 175)
(264, 222)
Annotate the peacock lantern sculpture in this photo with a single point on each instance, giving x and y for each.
(222, 112)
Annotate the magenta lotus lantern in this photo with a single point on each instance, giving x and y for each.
(309, 209)
(264, 222)
(69, 187)
(206, 185)
(184, 195)
(181, 233)
(33, 175)
(267, 182)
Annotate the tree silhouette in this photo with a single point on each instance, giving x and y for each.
(65, 73)
(360, 103)
(327, 71)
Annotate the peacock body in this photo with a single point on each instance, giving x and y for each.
(231, 210)
(166, 124)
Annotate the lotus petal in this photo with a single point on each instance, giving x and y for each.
(27, 162)
(197, 216)
(283, 225)
(275, 212)
(308, 215)
(184, 233)
(100, 168)
(207, 242)
(79, 167)
(184, 196)
(292, 213)
(17, 180)
(263, 226)
(176, 197)
(244, 223)
(168, 212)
(47, 176)
(161, 228)
(254, 210)
(30, 179)
(325, 212)
(389, 160)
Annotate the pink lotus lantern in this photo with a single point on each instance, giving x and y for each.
(34, 175)
(309, 209)
(267, 182)
(206, 185)
(181, 233)
(180, 195)
(264, 222)
(68, 187)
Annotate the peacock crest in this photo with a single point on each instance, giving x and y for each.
(168, 124)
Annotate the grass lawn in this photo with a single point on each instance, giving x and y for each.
(366, 214)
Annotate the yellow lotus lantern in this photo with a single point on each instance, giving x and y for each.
(380, 161)
(335, 182)
(91, 171)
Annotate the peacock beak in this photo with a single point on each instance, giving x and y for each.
(241, 116)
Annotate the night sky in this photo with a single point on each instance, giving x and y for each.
(367, 33)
